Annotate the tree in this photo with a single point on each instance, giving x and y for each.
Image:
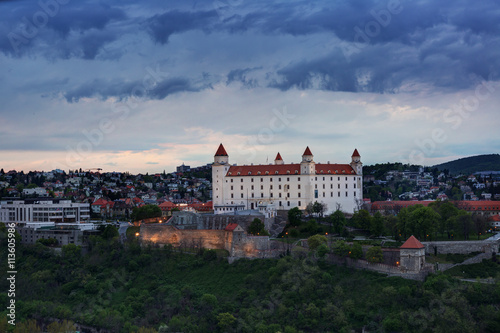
(257, 227)
(464, 223)
(109, 232)
(225, 321)
(64, 326)
(480, 224)
(377, 224)
(362, 219)
(356, 251)
(146, 212)
(294, 216)
(374, 254)
(314, 241)
(423, 221)
(341, 249)
(337, 220)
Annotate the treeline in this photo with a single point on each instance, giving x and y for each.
(129, 288)
(468, 165)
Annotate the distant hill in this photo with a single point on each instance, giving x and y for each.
(468, 165)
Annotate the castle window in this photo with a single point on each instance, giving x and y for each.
(288, 203)
(331, 194)
(242, 180)
(323, 178)
(279, 194)
(315, 185)
(279, 203)
(270, 187)
(271, 194)
(346, 186)
(252, 194)
(288, 195)
(339, 194)
(345, 178)
(231, 180)
(279, 187)
(298, 194)
(261, 187)
(323, 194)
(231, 187)
(298, 186)
(298, 203)
(229, 173)
(232, 195)
(297, 179)
(346, 193)
(323, 186)
(331, 178)
(315, 178)
(329, 171)
(279, 179)
(252, 187)
(354, 193)
(339, 179)
(354, 185)
(338, 185)
(262, 179)
(251, 180)
(242, 195)
(242, 187)
(262, 195)
(331, 186)
(288, 179)
(271, 179)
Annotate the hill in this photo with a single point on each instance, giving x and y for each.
(467, 165)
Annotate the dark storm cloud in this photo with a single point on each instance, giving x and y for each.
(241, 75)
(105, 89)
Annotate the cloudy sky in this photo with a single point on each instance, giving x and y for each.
(143, 86)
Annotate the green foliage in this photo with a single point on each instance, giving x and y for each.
(356, 251)
(374, 254)
(110, 231)
(145, 212)
(361, 219)
(48, 241)
(341, 248)
(314, 241)
(338, 221)
(295, 216)
(472, 164)
(257, 228)
(126, 288)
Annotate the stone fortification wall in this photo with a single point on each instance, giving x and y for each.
(167, 234)
(190, 220)
(463, 247)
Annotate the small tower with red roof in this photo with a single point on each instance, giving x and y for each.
(356, 162)
(278, 160)
(307, 166)
(221, 156)
(412, 255)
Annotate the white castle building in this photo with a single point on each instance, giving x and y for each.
(284, 186)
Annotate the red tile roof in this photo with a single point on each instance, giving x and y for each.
(495, 218)
(479, 205)
(288, 169)
(231, 226)
(412, 243)
(278, 157)
(377, 205)
(355, 154)
(221, 151)
(307, 151)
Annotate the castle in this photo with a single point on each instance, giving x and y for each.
(281, 186)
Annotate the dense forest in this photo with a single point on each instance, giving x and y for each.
(472, 164)
(129, 288)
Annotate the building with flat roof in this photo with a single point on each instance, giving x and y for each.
(43, 210)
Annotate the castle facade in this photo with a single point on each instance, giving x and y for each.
(284, 186)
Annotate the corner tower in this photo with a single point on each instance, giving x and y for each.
(356, 162)
(278, 160)
(219, 171)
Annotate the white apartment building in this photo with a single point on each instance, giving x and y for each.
(43, 210)
(285, 186)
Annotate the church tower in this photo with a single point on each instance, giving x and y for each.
(307, 166)
(356, 162)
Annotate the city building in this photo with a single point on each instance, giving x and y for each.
(284, 186)
(43, 210)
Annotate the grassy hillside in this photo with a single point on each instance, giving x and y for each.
(472, 164)
(128, 289)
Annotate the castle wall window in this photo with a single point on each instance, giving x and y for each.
(338, 185)
(331, 186)
(323, 178)
(231, 180)
(279, 187)
(271, 194)
(354, 193)
(262, 195)
(323, 186)
(346, 194)
(315, 178)
(346, 186)
(279, 194)
(271, 179)
(299, 203)
(251, 180)
(261, 187)
(262, 179)
(315, 185)
(232, 195)
(242, 187)
(242, 195)
(270, 187)
(252, 195)
(331, 178)
(279, 179)
(299, 186)
(231, 187)
(242, 180)
(297, 179)
(331, 194)
(324, 194)
(252, 187)
(288, 179)
(288, 195)
(345, 178)
(288, 203)
(339, 194)
(354, 185)
(316, 194)
(298, 194)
